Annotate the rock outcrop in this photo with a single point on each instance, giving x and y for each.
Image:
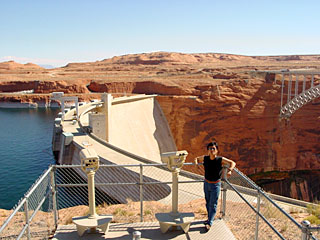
(42, 86)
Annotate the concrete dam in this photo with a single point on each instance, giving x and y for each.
(123, 131)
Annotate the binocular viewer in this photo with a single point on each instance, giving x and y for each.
(89, 160)
(174, 160)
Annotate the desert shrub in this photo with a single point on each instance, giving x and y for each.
(147, 212)
(314, 210)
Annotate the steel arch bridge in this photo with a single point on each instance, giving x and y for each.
(298, 87)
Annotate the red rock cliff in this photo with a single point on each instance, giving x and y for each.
(204, 97)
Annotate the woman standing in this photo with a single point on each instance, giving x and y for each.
(213, 165)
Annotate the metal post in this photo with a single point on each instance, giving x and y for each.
(289, 88)
(305, 231)
(62, 109)
(141, 193)
(304, 83)
(223, 199)
(296, 85)
(62, 142)
(26, 212)
(91, 193)
(54, 197)
(224, 192)
(257, 216)
(175, 175)
(282, 88)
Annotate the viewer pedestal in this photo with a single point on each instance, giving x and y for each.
(167, 220)
(175, 161)
(84, 223)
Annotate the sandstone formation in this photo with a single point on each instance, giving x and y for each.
(204, 97)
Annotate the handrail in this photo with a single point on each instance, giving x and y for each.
(38, 181)
(237, 189)
(23, 201)
(257, 188)
(246, 201)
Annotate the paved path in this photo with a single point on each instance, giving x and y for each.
(151, 230)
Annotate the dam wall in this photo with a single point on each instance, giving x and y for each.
(137, 125)
(139, 133)
(141, 128)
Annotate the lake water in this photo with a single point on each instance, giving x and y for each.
(25, 150)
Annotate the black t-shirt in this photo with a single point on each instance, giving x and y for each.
(212, 168)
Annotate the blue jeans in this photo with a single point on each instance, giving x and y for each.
(211, 192)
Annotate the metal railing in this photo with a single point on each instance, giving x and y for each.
(259, 215)
(133, 193)
(33, 217)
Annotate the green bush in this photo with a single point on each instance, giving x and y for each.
(120, 212)
(314, 210)
(147, 212)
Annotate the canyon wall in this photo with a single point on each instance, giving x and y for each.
(204, 97)
(243, 116)
(245, 121)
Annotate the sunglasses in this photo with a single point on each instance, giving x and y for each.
(212, 148)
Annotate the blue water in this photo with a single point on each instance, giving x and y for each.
(25, 150)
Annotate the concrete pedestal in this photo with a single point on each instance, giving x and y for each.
(167, 220)
(84, 223)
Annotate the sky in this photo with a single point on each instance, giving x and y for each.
(57, 32)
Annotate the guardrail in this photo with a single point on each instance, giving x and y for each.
(34, 217)
(60, 193)
(264, 211)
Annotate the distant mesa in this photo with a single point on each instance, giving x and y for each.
(32, 65)
(171, 57)
(9, 65)
(166, 59)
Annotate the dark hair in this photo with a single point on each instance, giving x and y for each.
(211, 144)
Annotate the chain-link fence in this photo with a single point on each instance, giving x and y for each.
(251, 213)
(135, 193)
(33, 216)
(131, 193)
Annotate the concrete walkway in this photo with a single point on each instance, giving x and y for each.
(151, 230)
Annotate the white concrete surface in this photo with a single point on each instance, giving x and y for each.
(122, 231)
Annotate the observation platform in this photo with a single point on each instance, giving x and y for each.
(127, 145)
(149, 230)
